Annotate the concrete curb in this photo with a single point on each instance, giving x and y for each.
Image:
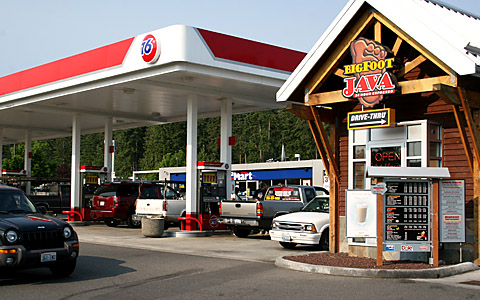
(384, 273)
(190, 234)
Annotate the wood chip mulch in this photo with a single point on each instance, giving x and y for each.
(343, 260)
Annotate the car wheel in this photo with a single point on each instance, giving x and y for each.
(324, 240)
(111, 223)
(64, 269)
(241, 232)
(132, 223)
(288, 245)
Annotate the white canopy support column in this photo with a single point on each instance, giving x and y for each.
(225, 147)
(28, 159)
(75, 193)
(192, 204)
(108, 149)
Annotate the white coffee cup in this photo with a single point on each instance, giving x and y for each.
(361, 212)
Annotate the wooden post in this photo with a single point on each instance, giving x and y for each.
(379, 227)
(334, 187)
(476, 203)
(435, 224)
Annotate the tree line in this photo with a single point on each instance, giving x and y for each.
(259, 137)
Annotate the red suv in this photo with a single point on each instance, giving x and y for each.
(114, 202)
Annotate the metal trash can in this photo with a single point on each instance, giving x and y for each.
(153, 227)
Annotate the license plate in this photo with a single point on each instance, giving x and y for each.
(48, 256)
(102, 203)
(286, 237)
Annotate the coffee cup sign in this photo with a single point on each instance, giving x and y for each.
(361, 212)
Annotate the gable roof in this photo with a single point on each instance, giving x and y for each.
(449, 33)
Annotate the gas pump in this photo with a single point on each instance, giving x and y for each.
(91, 178)
(212, 178)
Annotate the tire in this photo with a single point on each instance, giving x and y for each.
(111, 223)
(132, 223)
(288, 245)
(324, 241)
(64, 269)
(241, 232)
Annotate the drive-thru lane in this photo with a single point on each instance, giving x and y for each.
(254, 248)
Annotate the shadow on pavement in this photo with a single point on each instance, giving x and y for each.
(88, 268)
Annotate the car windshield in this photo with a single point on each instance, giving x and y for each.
(317, 205)
(15, 202)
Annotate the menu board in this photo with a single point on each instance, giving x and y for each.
(407, 211)
(452, 211)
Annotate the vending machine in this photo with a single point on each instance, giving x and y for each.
(212, 190)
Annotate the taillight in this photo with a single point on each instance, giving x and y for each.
(116, 202)
(164, 205)
(220, 208)
(259, 209)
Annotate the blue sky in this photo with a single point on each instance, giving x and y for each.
(34, 32)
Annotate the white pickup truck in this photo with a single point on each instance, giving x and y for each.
(243, 217)
(160, 200)
(308, 226)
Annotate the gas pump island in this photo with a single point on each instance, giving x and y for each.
(212, 189)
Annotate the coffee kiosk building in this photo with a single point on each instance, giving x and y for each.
(391, 91)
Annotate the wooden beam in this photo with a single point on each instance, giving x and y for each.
(334, 215)
(463, 136)
(474, 134)
(379, 227)
(397, 45)
(326, 143)
(476, 209)
(304, 112)
(332, 61)
(321, 150)
(378, 32)
(408, 87)
(386, 22)
(435, 224)
(410, 66)
(450, 95)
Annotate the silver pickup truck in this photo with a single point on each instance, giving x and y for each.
(159, 200)
(243, 217)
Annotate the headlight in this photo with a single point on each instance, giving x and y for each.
(310, 227)
(67, 232)
(11, 236)
(274, 225)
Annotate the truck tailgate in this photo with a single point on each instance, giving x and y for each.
(239, 209)
(149, 206)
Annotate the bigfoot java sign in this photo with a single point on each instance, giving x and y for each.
(370, 80)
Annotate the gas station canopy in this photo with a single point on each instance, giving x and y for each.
(117, 82)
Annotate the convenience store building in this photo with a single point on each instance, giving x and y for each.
(398, 82)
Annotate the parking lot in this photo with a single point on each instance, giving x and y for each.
(221, 244)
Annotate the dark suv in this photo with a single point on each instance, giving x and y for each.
(114, 202)
(29, 239)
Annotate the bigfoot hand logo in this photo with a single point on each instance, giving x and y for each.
(371, 80)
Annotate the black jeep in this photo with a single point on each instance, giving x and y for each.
(29, 239)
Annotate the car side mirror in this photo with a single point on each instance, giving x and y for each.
(42, 210)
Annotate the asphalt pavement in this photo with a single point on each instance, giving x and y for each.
(259, 247)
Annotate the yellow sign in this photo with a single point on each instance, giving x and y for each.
(209, 177)
(371, 118)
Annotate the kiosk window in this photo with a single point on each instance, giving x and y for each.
(359, 175)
